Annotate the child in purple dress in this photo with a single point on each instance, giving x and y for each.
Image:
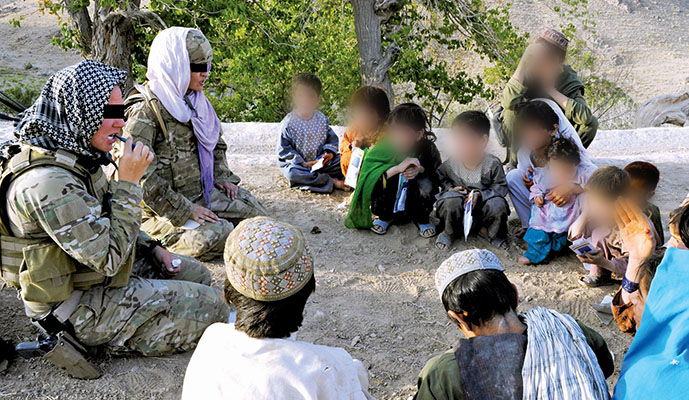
(549, 223)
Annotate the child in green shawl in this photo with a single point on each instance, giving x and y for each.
(407, 157)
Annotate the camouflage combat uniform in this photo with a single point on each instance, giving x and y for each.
(172, 183)
(147, 315)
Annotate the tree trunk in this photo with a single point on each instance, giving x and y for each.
(374, 62)
(113, 41)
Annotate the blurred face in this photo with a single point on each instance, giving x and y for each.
(104, 138)
(305, 100)
(534, 137)
(600, 209)
(546, 66)
(198, 81)
(639, 192)
(467, 145)
(404, 138)
(561, 171)
(365, 119)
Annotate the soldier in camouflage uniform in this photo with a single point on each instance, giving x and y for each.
(189, 178)
(71, 239)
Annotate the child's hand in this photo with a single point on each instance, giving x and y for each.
(411, 161)
(412, 172)
(635, 232)
(309, 164)
(561, 195)
(477, 198)
(327, 157)
(460, 189)
(594, 258)
(527, 178)
(539, 201)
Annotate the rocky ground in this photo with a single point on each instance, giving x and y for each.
(375, 295)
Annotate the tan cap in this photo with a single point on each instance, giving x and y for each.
(199, 48)
(267, 260)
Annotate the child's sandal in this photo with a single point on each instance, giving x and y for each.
(593, 281)
(443, 242)
(380, 227)
(427, 230)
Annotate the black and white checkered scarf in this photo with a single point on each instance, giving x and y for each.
(69, 110)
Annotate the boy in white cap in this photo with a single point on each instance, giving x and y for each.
(540, 354)
(269, 279)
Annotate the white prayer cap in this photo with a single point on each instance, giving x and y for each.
(462, 263)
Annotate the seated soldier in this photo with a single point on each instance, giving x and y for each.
(555, 358)
(189, 178)
(542, 73)
(70, 238)
(269, 279)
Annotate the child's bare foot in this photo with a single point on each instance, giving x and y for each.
(338, 183)
(524, 261)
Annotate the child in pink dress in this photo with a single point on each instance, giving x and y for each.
(549, 223)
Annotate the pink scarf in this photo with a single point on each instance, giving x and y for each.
(168, 77)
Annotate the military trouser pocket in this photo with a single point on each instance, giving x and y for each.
(46, 274)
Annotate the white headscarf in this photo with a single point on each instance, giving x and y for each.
(168, 77)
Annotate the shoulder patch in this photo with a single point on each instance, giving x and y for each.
(72, 211)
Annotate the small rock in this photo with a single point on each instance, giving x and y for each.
(355, 340)
(617, 60)
(373, 335)
(315, 230)
(381, 267)
(320, 314)
(28, 65)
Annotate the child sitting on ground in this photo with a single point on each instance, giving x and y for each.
(644, 178)
(307, 139)
(369, 108)
(471, 168)
(597, 221)
(549, 222)
(397, 181)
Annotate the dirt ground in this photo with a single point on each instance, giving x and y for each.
(375, 295)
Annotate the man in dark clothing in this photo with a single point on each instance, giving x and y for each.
(542, 73)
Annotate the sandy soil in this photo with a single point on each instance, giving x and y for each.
(643, 40)
(375, 295)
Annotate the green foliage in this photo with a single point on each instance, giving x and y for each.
(22, 88)
(259, 45)
(428, 35)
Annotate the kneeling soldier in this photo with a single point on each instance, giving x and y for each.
(70, 238)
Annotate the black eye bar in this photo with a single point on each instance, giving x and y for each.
(199, 67)
(113, 111)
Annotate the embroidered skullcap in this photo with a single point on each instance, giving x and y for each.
(462, 263)
(555, 37)
(267, 260)
(199, 48)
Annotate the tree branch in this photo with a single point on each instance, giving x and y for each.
(270, 37)
(385, 63)
(81, 21)
(385, 9)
